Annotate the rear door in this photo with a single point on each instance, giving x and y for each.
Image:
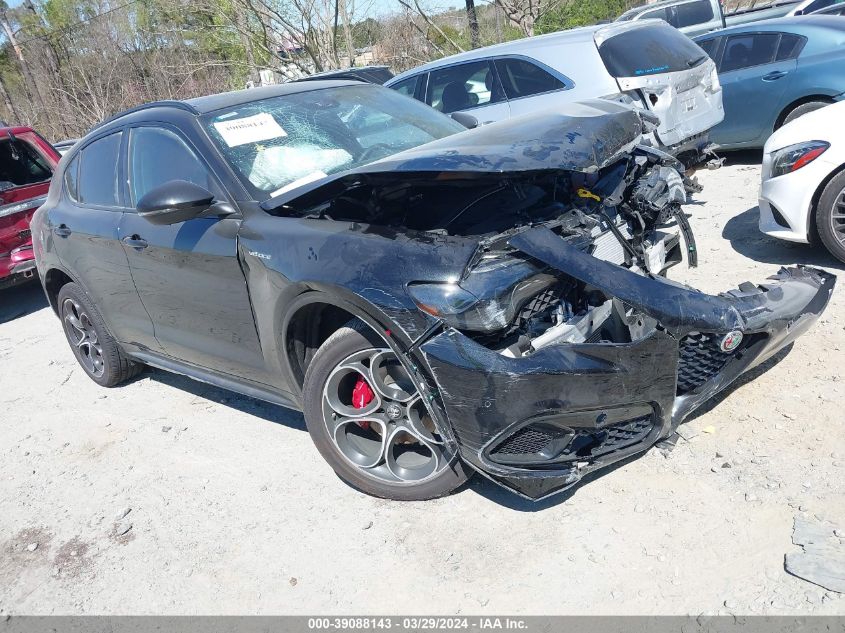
(188, 274)
(471, 87)
(754, 77)
(668, 72)
(84, 226)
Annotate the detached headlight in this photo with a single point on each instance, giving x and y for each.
(794, 157)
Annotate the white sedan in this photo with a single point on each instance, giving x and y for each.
(803, 190)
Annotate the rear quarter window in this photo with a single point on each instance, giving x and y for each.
(649, 50)
(790, 46)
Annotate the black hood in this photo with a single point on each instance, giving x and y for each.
(582, 137)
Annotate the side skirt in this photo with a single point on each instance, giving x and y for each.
(217, 379)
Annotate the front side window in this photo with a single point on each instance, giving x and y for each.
(462, 87)
(158, 155)
(521, 78)
(279, 143)
(745, 51)
(21, 163)
(98, 171)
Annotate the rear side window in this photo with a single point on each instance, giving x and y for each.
(747, 50)
(697, 12)
(462, 87)
(407, 87)
(98, 172)
(790, 46)
(21, 163)
(656, 14)
(648, 50)
(521, 78)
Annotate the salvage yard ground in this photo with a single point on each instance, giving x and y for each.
(169, 496)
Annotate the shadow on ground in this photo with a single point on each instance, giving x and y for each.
(743, 157)
(244, 404)
(746, 239)
(21, 300)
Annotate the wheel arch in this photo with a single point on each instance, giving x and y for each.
(313, 316)
(54, 279)
(799, 102)
(812, 229)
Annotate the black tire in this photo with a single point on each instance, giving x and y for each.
(804, 108)
(832, 202)
(349, 340)
(95, 349)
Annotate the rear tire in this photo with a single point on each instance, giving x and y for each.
(89, 339)
(830, 216)
(385, 444)
(804, 108)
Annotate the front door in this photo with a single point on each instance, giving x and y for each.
(188, 274)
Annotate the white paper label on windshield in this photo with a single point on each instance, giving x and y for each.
(316, 175)
(251, 129)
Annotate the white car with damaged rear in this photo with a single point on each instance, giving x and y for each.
(645, 64)
(802, 195)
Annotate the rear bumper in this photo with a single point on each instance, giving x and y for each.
(540, 423)
(19, 262)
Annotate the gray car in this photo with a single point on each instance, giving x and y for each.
(646, 64)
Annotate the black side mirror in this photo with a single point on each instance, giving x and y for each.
(467, 120)
(174, 201)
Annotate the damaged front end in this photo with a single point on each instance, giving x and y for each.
(563, 348)
(557, 346)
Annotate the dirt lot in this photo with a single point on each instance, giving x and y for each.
(232, 510)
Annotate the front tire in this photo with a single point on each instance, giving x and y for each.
(830, 216)
(95, 349)
(370, 423)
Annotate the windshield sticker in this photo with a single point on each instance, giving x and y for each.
(251, 129)
(315, 175)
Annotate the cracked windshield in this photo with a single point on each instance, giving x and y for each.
(284, 142)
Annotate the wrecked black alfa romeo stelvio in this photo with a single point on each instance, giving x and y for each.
(437, 301)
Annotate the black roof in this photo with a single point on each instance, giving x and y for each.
(221, 100)
(210, 103)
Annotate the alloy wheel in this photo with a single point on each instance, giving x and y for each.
(837, 217)
(378, 421)
(83, 336)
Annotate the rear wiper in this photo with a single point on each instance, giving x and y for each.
(695, 62)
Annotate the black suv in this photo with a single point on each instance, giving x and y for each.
(436, 300)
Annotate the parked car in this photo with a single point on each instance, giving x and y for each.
(27, 162)
(435, 300)
(803, 181)
(694, 17)
(646, 64)
(774, 72)
(807, 7)
(836, 9)
(371, 74)
(62, 147)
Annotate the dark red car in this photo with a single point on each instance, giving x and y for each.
(27, 162)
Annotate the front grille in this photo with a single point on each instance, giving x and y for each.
(25, 234)
(584, 443)
(700, 359)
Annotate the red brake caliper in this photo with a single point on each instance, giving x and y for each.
(362, 395)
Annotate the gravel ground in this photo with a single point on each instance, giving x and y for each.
(170, 496)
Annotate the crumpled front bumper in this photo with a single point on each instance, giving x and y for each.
(538, 424)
